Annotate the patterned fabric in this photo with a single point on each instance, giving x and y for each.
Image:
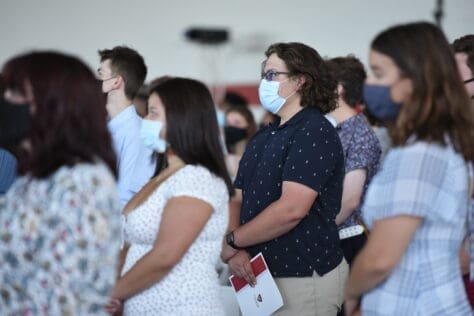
(58, 243)
(306, 150)
(192, 286)
(427, 181)
(361, 151)
(471, 238)
(7, 170)
(135, 165)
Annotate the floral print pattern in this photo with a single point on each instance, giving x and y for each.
(58, 242)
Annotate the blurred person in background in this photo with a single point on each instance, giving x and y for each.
(122, 72)
(361, 150)
(59, 222)
(417, 204)
(464, 54)
(8, 162)
(239, 128)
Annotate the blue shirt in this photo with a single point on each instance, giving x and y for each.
(428, 181)
(306, 149)
(135, 165)
(8, 167)
(361, 151)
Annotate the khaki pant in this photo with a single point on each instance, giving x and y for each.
(313, 295)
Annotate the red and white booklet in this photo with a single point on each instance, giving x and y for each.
(262, 299)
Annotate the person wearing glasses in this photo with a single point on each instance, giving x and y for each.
(122, 72)
(464, 54)
(289, 186)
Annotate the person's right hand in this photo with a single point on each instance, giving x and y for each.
(114, 306)
(239, 265)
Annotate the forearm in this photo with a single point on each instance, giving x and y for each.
(234, 215)
(364, 276)
(145, 273)
(121, 261)
(276, 220)
(345, 213)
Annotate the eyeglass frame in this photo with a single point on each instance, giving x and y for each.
(272, 73)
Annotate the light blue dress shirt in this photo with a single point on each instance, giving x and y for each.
(135, 165)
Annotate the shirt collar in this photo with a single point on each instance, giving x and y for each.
(292, 121)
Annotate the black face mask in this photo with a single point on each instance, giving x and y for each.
(15, 122)
(234, 134)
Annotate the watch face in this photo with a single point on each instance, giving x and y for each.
(230, 238)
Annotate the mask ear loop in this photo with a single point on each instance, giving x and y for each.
(291, 94)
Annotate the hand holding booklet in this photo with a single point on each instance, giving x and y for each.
(262, 299)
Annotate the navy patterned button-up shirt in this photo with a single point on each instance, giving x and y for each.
(307, 150)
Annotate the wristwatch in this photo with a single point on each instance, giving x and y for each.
(229, 238)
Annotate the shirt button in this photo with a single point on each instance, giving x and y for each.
(273, 132)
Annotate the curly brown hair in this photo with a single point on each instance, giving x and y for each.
(319, 88)
(439, 105)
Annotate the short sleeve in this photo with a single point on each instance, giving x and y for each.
(363, 153)
(411, 182)
(313, 156)
(239, 178)
(199, 183)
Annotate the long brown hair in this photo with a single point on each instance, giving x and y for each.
(439, 104)
(191, 128)
(69, 123)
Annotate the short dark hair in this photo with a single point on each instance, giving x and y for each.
(319, 89)
(127, 63)
(350, 74)
(191, 128)
(465, 44)
(235, 99)
(69, 123)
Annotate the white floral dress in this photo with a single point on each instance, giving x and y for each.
(192, 286)
(58, 247)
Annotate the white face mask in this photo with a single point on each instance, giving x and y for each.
(150, 135)
(269, 97)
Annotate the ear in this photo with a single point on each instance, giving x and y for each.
(118, 82)
(300, 81)
(340, 90)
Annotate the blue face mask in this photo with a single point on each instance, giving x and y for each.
(269, 97)
(380, 104)
(150, 135)
(220, 118)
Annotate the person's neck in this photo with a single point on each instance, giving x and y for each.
(173, 159)
(290, 108)
(116, 103)
(239, 148)
(343, 112)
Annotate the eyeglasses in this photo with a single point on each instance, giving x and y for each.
(469, 80)
(271, 74)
